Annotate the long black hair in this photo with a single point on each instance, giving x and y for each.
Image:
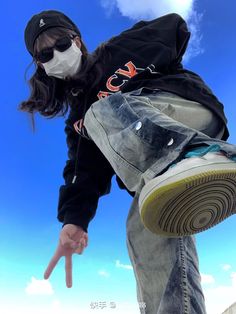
(51, 96)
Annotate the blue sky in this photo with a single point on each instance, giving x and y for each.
(32, 163)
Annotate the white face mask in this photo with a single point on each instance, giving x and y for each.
(65, 63)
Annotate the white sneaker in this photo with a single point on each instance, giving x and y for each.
(194, 195)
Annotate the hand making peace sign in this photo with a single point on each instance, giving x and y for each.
(73, 239)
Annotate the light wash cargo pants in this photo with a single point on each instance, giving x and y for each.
(140, 135)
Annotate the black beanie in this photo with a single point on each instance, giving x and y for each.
(44, 20)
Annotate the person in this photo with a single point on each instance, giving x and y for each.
(137, 113)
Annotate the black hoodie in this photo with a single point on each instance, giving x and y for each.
(147, 55)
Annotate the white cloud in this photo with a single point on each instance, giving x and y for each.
(139, 9)
(226, 267)
(220, 297)
(207, 279)
(119, 265)
(109, 6)
(56, 305)
(150, 9)
(194, 46)
(39, 287)
(233, 277)
(103, 273)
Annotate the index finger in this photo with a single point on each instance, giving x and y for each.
(51, 265)
(68, 267)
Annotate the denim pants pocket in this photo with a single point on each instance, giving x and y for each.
(143, 141)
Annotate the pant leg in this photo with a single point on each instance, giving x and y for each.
(166, 270)
(138, 139)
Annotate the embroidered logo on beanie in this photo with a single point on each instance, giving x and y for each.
(41, 23)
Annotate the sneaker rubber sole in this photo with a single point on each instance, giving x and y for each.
(188, 205)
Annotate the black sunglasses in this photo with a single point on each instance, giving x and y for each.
(61, 45)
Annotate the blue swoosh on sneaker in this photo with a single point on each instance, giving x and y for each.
(200, 151)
